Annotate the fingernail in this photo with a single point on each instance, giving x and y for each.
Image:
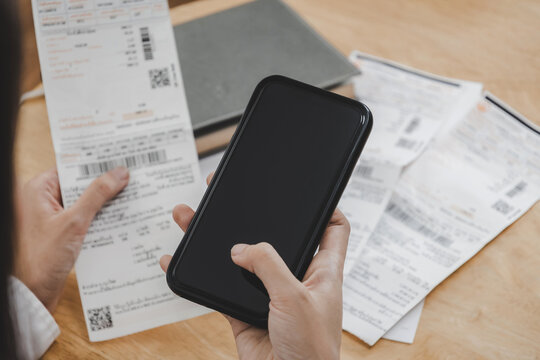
(121, 173)
(237, 249)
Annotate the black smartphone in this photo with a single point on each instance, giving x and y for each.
(279, 181)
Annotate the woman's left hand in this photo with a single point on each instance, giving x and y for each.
(49, 237)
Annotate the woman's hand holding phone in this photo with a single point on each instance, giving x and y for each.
(305, 317)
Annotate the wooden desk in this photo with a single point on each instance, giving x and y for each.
(489, 308)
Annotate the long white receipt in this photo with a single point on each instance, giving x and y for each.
(115, 96)
(476, 179)
(409, 107)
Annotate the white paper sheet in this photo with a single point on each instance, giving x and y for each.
(115, 96)
(476, 179)
(409, 107)
(405, 329)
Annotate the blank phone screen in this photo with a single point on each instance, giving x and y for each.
(274, 188)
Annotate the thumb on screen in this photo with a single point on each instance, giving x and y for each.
(263, 260)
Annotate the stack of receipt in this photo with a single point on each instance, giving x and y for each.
(445, 170)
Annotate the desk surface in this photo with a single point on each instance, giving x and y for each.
(490, 307)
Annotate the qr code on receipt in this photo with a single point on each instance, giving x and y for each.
(159, 78)
(100, 318)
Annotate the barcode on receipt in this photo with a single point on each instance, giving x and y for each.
(147, 44)
(132, 161)
(395, 211)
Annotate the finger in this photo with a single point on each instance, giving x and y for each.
(54, 196)
(44, 193)
(99, 192)
(164, 262)
(336, 237)
(209, 177)
(53, 183)
(243, 332)
(46, 184)
(263, 260)
(330, 260)
(182, 215)
(237, 326)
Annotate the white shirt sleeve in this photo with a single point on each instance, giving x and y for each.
(35, 328)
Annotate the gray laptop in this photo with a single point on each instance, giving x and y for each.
(224, 55)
